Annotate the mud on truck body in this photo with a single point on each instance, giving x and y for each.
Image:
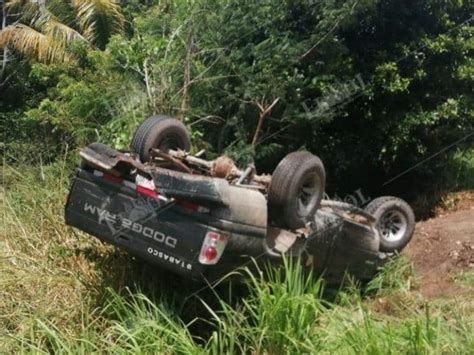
(202, 219)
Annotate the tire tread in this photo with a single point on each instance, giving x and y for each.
(147, 128)
(280, 202)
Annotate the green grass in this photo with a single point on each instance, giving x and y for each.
(62, 291)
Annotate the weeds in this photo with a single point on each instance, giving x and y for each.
(397, 275)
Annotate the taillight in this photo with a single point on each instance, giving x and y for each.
(212, 248)
(146, 192)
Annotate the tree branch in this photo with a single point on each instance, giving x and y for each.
(264, 111)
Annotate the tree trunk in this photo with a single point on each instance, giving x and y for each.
(261, 117)
(5, 49)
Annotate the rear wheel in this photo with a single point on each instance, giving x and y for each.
(159, 132)
(395, 222)
(296, 189)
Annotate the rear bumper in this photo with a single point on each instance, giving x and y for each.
(161, 233)
(143, 226)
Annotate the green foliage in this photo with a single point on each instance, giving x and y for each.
(243, 56)
(463, 169)
(374, 87)
(100, 106)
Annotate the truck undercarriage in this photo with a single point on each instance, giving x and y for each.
(202, 219)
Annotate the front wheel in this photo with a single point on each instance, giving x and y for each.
(395, 222)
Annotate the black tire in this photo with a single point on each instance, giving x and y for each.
(160, 132)
(395, 222)
(296, 189)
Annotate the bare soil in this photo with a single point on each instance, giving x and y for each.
(443, 246)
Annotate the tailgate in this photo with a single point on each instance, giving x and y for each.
(147, 227)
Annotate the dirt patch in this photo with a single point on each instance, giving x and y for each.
(444, 246)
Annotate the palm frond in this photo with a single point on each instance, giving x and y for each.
(50, 25)
(26, 9)
(99, 19)
(61, 32)
(41, 20)
(32, 43)
(63, 11)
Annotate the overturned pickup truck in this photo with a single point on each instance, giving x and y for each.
(202, 219)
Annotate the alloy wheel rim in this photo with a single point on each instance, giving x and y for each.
(393, 225)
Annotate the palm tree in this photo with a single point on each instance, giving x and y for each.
(45, 30)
